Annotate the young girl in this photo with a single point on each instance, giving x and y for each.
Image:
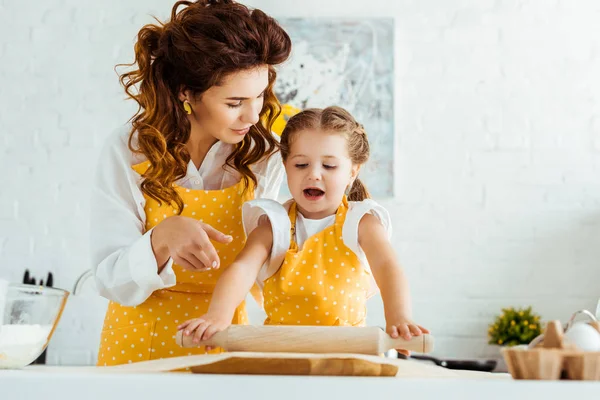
(316, 256)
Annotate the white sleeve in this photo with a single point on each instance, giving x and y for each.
(270, 174)
(280, 224)
(123, 262)
(357, 210)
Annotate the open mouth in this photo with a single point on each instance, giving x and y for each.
(313, 193)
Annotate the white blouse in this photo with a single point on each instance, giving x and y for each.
(123, 262)
(305, 228)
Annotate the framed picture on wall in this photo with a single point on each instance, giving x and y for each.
(349, 63)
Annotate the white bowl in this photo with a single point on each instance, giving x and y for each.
(27, 322)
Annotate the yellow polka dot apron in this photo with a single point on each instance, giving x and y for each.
(147, 331)
(323, 283)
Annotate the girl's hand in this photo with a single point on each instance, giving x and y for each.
(405, 328)
(204, 328)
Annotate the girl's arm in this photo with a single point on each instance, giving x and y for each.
(233, 285)
(390, 278)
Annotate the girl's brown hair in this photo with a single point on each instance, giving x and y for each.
(332, 120)
(196, 49)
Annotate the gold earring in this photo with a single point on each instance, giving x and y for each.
(187, 107)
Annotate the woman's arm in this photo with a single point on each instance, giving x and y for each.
(123, 260)
(390, 278)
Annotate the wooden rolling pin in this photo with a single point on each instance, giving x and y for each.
(309, 339)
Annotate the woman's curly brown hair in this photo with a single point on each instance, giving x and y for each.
(196, 49)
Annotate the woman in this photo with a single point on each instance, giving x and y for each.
(166, 205)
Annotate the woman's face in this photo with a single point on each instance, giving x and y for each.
(226, 112)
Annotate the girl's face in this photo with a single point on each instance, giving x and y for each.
(226, 112)
(318, 171)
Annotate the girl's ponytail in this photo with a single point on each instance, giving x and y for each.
(358, 191)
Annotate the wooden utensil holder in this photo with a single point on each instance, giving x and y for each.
(553, 359)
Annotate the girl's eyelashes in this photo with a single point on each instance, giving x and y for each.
(304, 165)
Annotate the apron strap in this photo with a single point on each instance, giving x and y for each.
(292, 214)
(340, 217)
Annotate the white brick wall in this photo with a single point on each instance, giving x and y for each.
(498, 151)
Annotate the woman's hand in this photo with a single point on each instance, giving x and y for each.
(188, 242)
(205, 327)
(405, 328)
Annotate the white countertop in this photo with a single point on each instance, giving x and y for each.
(68, 383)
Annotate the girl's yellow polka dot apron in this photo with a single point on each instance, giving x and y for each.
(147, 331)
(324, 283)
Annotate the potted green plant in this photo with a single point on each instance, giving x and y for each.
(514, 327)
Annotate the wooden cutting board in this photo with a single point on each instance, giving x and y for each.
(254, 363)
